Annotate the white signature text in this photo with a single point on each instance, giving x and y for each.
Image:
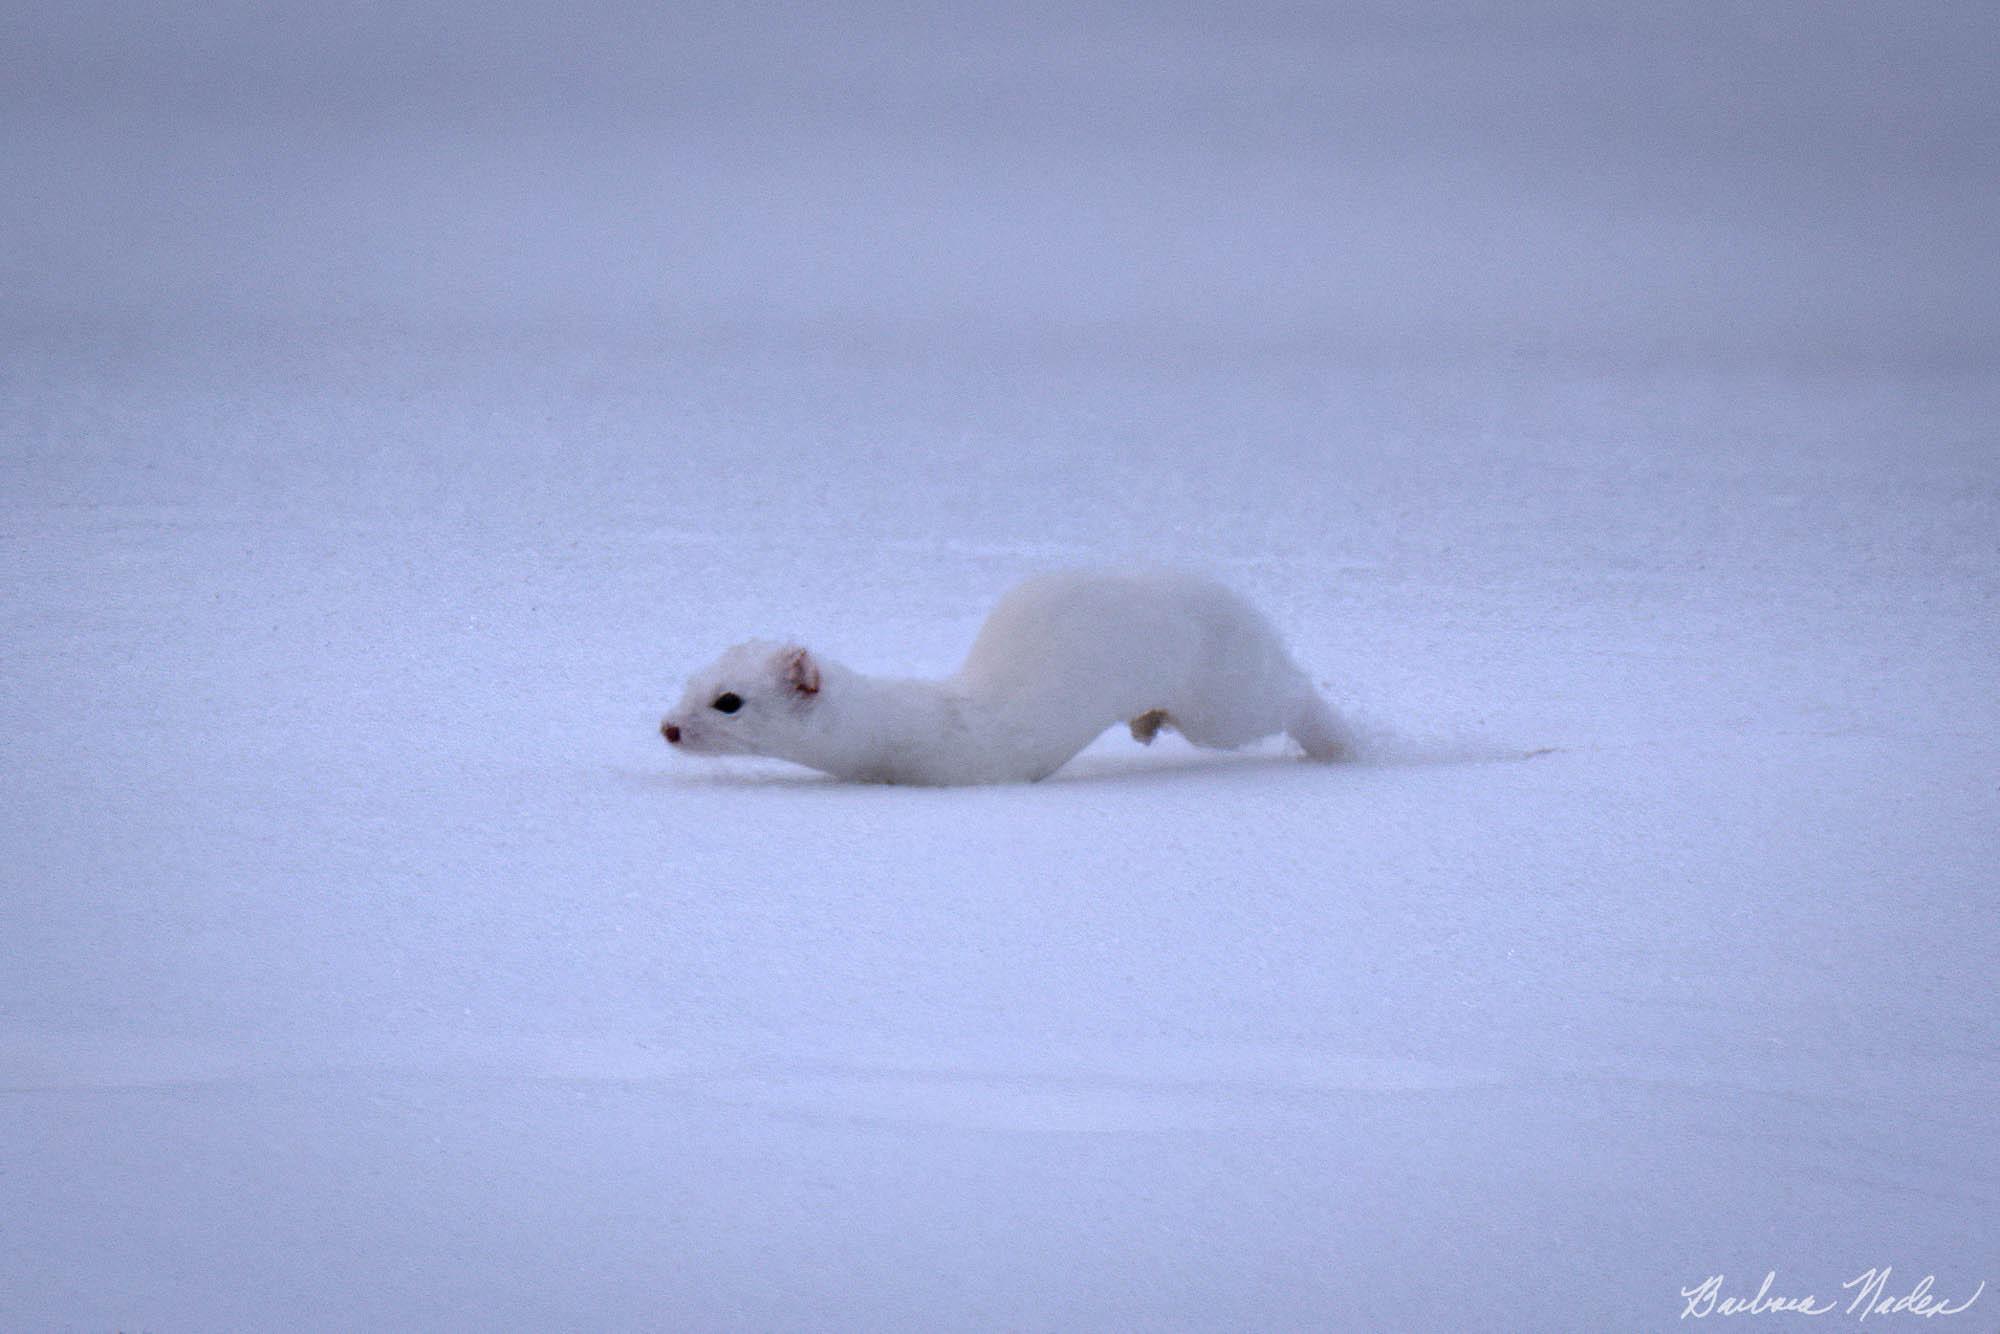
(1870, 1289)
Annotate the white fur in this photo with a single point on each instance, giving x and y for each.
(1061, 658)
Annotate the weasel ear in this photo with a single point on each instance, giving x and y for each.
(801, 672)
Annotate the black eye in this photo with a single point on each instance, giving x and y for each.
(727, 703)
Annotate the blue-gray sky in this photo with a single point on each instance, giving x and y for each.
(1792, 183)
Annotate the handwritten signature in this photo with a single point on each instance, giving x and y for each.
(1870, 1289)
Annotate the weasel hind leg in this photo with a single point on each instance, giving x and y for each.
(1148, 724)
(1318, 730)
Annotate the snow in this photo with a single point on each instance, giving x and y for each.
(393, 413)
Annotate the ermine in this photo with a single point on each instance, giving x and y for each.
(1060, 658)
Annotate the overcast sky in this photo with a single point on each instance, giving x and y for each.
(1793, 183)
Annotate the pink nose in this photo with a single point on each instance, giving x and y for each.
(671, 733)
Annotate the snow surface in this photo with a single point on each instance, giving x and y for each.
(394, 408)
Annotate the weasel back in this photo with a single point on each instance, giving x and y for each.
(1076, 652)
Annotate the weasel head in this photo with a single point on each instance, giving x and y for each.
(758, 698)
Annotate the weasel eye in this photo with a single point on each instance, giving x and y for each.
(729, 702)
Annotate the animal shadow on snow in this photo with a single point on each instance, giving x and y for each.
(1184, 764)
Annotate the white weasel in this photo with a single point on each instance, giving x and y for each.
(1061, 658)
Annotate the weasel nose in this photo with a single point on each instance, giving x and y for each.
(671, 733)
